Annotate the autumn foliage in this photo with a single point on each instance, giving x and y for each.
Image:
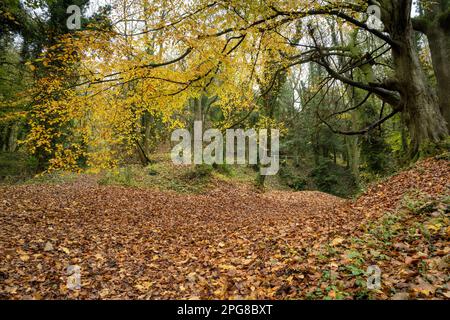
(140, 244)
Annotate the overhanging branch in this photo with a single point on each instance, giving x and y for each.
(362, 131)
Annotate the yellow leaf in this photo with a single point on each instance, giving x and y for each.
(65, 250)
(144, 286)
(337, 241)
(424, 288)
(227, 267)
(24, 257)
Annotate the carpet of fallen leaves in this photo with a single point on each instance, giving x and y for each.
(231, 243)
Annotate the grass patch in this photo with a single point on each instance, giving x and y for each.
(55, 177)
(161, 175)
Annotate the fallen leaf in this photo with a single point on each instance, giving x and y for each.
(337, 241)
(48, 247)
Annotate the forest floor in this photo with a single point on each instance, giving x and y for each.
(228, 243)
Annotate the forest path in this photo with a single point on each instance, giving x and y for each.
(135, 243)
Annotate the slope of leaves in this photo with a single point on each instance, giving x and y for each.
(229, 243)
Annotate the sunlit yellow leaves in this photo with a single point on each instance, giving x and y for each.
(337, 241)
(227, 267)
(99, 83)
(143, 286)
(423, 288)
(31, 66)
(24, 257)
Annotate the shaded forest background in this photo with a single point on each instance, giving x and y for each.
(353, 104)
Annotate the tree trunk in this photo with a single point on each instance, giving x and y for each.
(440, 52)
(435, 24)
(10, 136)
(418, 102)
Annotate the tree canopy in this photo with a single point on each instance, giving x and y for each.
(92, 88)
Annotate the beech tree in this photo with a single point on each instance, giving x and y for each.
(154, 60)
(434, 22)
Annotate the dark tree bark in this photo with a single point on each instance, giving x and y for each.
(434, 22)
(418, 101)
(408, 89)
